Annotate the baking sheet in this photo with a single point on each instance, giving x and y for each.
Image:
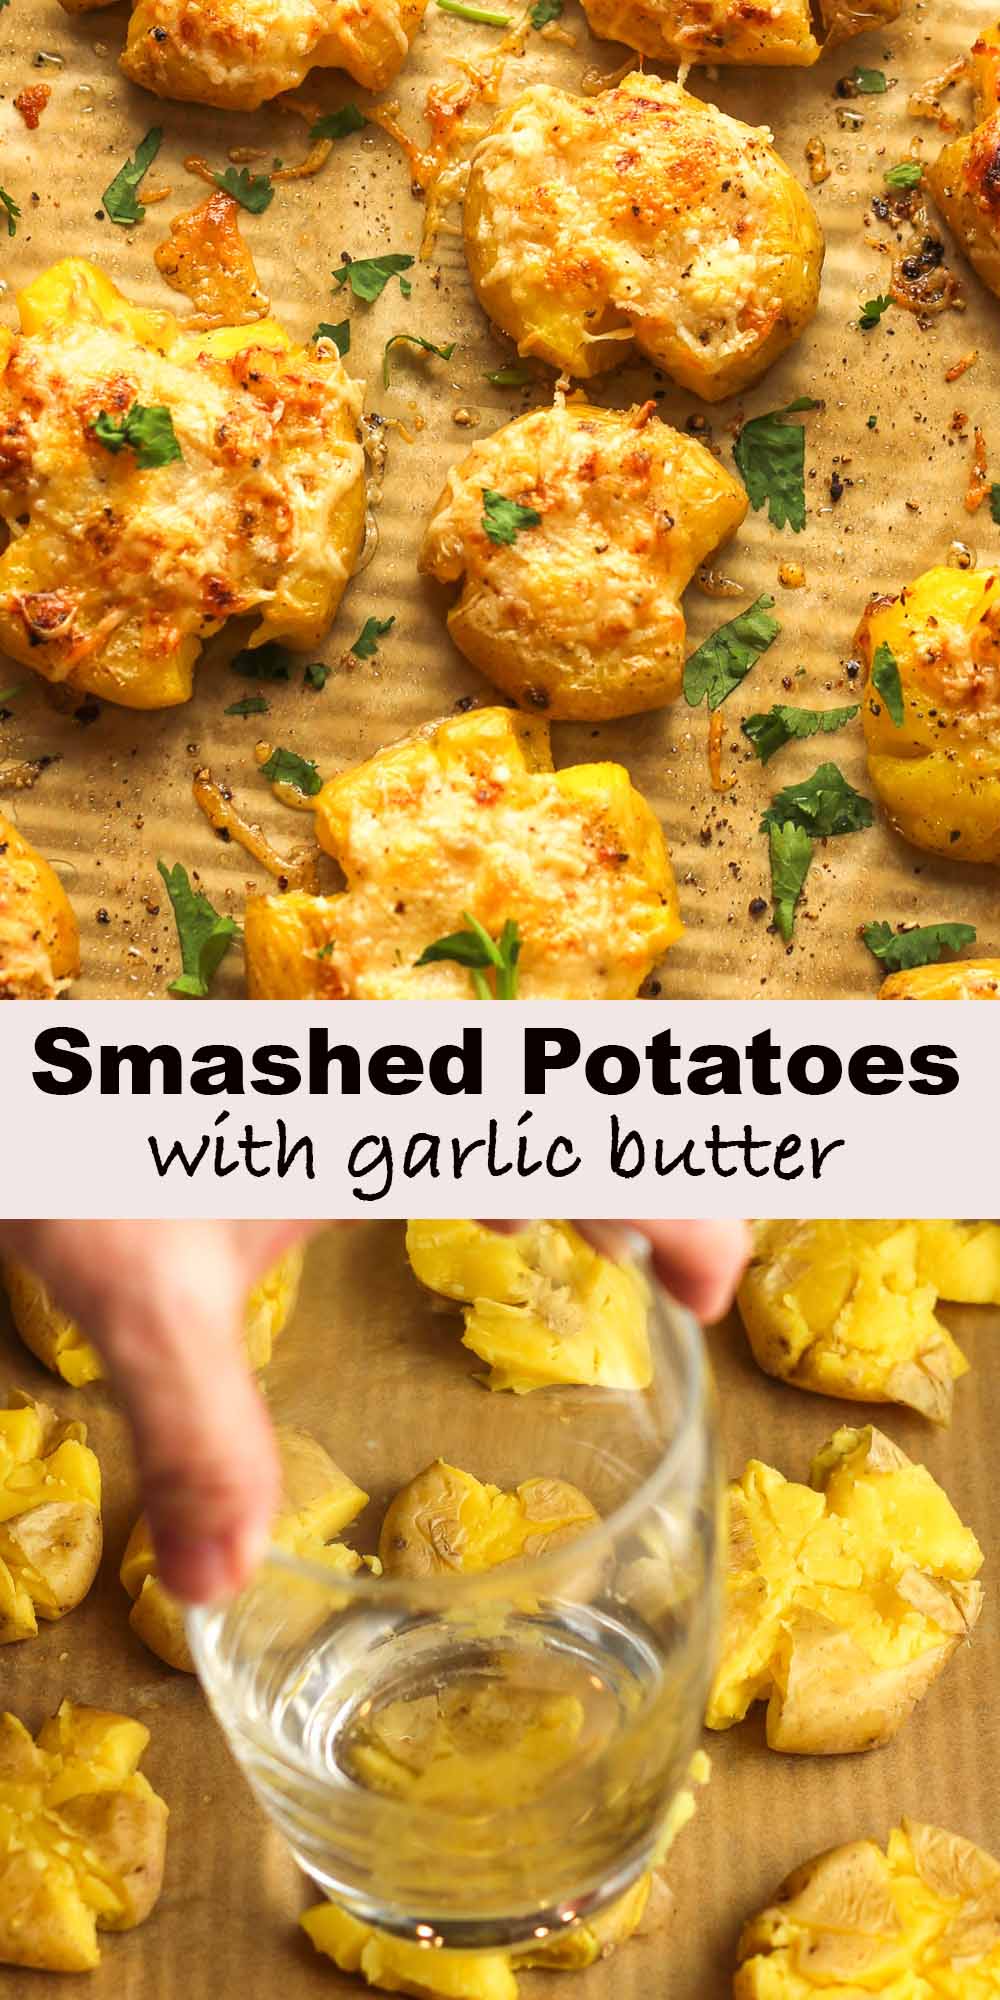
(226, 1923)
(119, 794)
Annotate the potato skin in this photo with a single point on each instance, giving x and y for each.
(580, 615)
(39, 937)
(643, 219)
(965, 178)
(938, 775)
(962, 979)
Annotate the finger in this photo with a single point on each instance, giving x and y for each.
(701, 1263)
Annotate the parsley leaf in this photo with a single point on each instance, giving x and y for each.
(872, 310)
(120, 197)
(339, 334)
(900, 951)
(369, 276)
(444, 352)
(885, 677)
(870, 82)
(203, 935)
(9, 693)
(147, 429)
(908, 174)
(475, 948)
(285, 767)
(463, 12)
(769, 733)
(251, 704)
(8, 203)
(513, 376)
(503, 519)
(822, 805)
(791, 859)
(771, 455)
(253, 191)
(724, 659)
(545, 11)
(316, 676)
(337, 124)
(261, 663)
(366, 644)
(995, 504)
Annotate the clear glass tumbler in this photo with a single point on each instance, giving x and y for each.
(477, 1759)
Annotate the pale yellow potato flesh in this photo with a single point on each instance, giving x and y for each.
(39, 936)
(50, 1516)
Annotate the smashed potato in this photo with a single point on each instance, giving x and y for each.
(842, 1308)
(50, 1517)
(317, 1502)
(39, 938)
(236, 54)
(469, 815)
(446, 1519)
(580, 615)
(640, 219)
(56, 1340)
(961, 1260)
(732, 31)
(82, 1837)
(960, 979)
(965, 178)
(542, 1306)
(844, 1599)
(937, 774)
(123, 568)
(920, 1920)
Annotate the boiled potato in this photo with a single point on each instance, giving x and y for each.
(962, 979)
(580, 614)
(541, 1306)
(843, 1308)
(236, 54)
(937, 773)
(50, 1516)
(921, 1919)
(844, 1599)
(59, 1343)
(469, 816)
(963, 178)
(961, 1260)
(317, 1502)
(39, 939)
(642, 219)
(82, 1837)
(730, 31)
(446, 1520)
(123, 571)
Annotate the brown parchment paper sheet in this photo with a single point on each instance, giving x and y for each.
(226, 1923)
(119, 795)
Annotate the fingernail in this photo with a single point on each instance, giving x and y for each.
(503, 1228)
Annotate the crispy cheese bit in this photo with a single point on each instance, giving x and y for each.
(920, 1919)
(82, 1837)
(961, 1260)
(122, 565)
(844, 1599)
(469, 816)
(39, 939)
(957, 979)
(50, 1517)
(958, 368)
(447, 1520)
(205, 257)
(979, 485)
(842, 1308)
(541, 1306)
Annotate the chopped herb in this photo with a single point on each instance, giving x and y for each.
(253, 191)
(545, 11)
(204, 936)
(285, 767)
(326, 950)
(338, 124)
(872, 310)
(822, 805)
(513, 376)
(262, 663)
(791, 859)
(908, 174)
(369, 276)
(251, 704)
(316, 676)
(724, 659)
(339, 334)
(147, 429)
(885, 678)
(769, 733)
(770, 455)
(995, 504)
(120, 197)
(873, 423)
(465, 13)
(9, 693)
(475, 948)
(4, 3)
(900, 951)
(366, 644)
(503, 519)
(8, 203)
(870, 82)
(444, 352)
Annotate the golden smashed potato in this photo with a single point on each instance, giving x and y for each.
(844, 1599)
(50, 1517)
(960, 979)
(937, 773)
(317, 1502)
(541, 1306)
(965, 176)
(842, 1308)
(640, 219)
(82, 1837)
(920, 1921)
(961, 1260)
(734, 31)
(56, 1340)
(469, 815)
(39, 938)
(445, 1520)
(580, 614)
(236, 54)
(123, 570)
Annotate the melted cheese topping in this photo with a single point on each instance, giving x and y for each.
(238, 53)
(715, 31)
